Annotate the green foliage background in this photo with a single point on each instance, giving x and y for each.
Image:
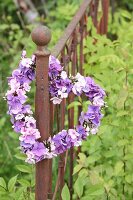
(105, 163)
(104, 167)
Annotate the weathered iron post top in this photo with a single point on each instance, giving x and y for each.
(41, 36)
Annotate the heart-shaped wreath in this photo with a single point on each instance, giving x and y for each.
(60, 86)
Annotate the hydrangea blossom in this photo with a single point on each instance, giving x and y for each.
(60, 85)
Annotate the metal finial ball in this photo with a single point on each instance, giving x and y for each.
(41, 35)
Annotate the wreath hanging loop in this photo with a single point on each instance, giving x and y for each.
(60, 85)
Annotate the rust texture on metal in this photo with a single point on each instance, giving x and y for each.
(69, 50)
(70, 28)
(103, 25)
(41, 37)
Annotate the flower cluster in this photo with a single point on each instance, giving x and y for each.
(60, 85)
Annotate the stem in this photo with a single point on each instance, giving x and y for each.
(124, 148)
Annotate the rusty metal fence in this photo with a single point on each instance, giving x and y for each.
(51, 118)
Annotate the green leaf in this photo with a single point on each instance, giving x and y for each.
(79, 186)
(126, 14)
(123, 142)
(2, 182)
(74, 103)
(82, 157)
(122, 113)
(95, 178)
(19, 193)
(92, 159)
(65, 193)
(20, 156)
(129, 178)
(2, 191)
(11, 183)
(118, 167)
(95, 190)
(2, 122)
(24, 182)
(77, 168)
(122, 98)
(24, 168)
(128, 156)
(32, 196)
(108, 185)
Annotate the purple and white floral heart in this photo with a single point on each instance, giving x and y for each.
(60, 86)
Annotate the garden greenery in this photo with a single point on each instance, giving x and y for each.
(105, 163)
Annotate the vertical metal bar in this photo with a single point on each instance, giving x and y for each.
(105, 6)
(81, 57)
(41, 37)
(62, 156)
(94, 11)
(62, 121)
(71, 111)
(81, 46)
(103, 25)
(85, 24)
(51, 121)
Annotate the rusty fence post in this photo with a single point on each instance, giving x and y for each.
(41, 36)
(102, 27)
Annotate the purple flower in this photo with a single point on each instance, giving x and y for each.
(74, 139)
(92, 116)
(60, 86)
(15, 100)
(29, 135)
(93, 90)
(26, 109)
(60, 142)
(18, 125)
(82, 132)
(25, 146)
(39, 149)
(54, 66)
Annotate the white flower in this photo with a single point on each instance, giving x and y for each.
(26, 62)
(94, 130)
(73, 134)
(98, 101)
(30, 157)
(77, 143)
(87, 129)
(30, 121)
(33, 58)
(52, 59)
(52, 153)
(14, 84)
(79, 85)
(80, 79)
(23, 54)
(63, 92)
(77, 88)
(56, 100)
(26, 87)
(30, 132)
(19, 116)
(63, 75)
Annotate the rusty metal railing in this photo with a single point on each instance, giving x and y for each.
(69, 50)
